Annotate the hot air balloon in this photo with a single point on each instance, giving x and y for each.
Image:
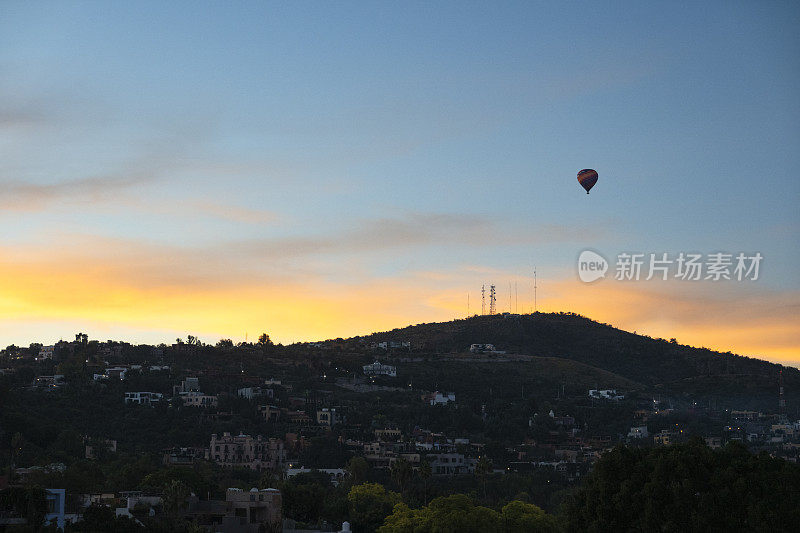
(587, 178)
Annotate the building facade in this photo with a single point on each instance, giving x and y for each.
(255, 453)
(198, 399)
(378, 369)
(143, 398)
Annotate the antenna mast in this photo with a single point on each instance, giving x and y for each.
(492, 299)
(483, 299)
(535, 306)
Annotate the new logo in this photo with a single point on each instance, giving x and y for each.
(591, 266)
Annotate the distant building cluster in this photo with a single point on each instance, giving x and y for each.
(439, 398)
(49, 382)
(390, 345)
(46, 352)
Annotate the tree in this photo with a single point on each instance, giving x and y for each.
(482, 469)
(687, 487)
(174, 498)
(100, 518)
(17, 444)
(401, 473)
(225, 343)
(303, 501)
(521, 517)
(68, 443)
(425, 473)
(456, 513)
(26, 502)
(189, 478)
(264, 340)
(267, 480)
(195, 527)
(358, 467)
(368, 504)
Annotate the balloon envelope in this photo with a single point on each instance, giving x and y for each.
(587, 178)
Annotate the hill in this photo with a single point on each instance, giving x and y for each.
(656, 364)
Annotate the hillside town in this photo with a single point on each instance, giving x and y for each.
(339, 412)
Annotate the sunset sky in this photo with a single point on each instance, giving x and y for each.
(321, 169)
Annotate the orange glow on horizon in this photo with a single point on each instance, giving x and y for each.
(123, 306)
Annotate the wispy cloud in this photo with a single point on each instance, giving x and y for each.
(19, 117)
(343, 254)
(22, 196)
(416, 230)
(234, 213)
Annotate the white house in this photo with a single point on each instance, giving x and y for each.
(197, 399)
(445, 464)
(378, 369)
(480, 348)
(143, 398)
(606, 394)
(254, 392)
(439, 398)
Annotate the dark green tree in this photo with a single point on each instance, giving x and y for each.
(368, 505)
(401, 472)
(687, 487)
(482, 469)
(358, 468)
(425, 473)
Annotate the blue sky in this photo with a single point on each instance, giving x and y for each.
(347, 147)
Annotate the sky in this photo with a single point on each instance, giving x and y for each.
(317, 169)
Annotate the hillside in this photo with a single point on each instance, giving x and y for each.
(656, 363)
